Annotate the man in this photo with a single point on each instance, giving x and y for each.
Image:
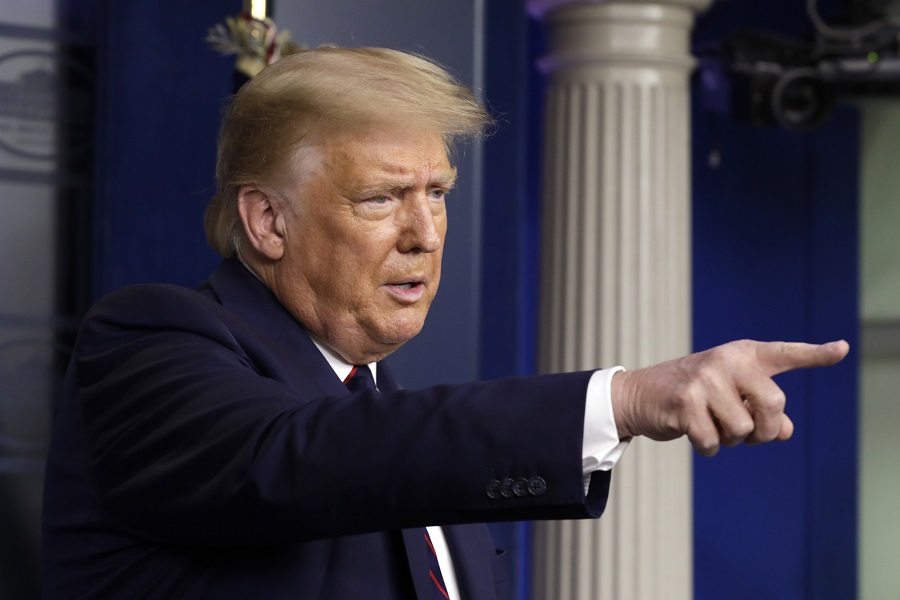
(228, 443)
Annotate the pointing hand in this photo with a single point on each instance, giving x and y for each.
(722, 396)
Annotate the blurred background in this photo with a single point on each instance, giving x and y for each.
(108, 117)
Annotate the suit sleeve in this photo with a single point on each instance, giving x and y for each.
(192, 439)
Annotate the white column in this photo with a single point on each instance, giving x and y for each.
(616, 273)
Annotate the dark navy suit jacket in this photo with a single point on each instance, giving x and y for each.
(204, 448)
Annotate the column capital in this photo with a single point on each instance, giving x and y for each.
(540, 8)
(627, 34)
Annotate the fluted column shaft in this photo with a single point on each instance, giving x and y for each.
(616, 274)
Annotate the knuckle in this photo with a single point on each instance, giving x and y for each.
(706, 377)
(772, 402)
(763, 436)
(743, 428)
(707, 449)
(742, 347)
(689, 399)
(720, 354)
(731, 355)
(738, 432)
(687, 396)
(767, 430)
(779, 399)
(707, 443)
(745, 344)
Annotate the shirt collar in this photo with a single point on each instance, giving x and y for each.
(340, 366)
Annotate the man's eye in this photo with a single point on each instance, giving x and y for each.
(379, 199)
(438, 194)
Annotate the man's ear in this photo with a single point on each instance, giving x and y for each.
(263, 222)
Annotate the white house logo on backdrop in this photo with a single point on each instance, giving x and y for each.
(44, 104)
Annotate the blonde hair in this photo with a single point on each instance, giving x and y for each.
(317, 91)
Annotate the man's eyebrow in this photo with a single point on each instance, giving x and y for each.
(446, 179)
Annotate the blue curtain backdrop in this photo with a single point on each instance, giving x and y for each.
(160, 97)
(775, 258)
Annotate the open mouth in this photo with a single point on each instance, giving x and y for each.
(407, 291)
(408, 284)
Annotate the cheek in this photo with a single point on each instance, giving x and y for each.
(342, 267)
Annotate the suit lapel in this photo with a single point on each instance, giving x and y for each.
(238, 290)
(473, 553)
(386, 381)
(414, 541)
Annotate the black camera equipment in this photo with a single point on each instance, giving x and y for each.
(772, 79)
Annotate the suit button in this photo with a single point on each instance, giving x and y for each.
(506, 488)
(493, 489)
(537, 486)
(520, 487)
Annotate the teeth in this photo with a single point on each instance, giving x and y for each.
(404, 286)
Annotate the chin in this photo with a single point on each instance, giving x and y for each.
(394, 340)
(400, 333)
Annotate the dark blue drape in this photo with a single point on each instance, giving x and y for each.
(159, 103)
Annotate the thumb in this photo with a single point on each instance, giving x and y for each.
(779, 357)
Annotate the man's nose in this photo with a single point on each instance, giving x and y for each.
(420, 230)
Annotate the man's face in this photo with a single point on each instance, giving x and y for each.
(364, 235)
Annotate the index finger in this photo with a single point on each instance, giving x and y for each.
(778, 357)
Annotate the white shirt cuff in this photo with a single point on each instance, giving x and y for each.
(601, 447)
